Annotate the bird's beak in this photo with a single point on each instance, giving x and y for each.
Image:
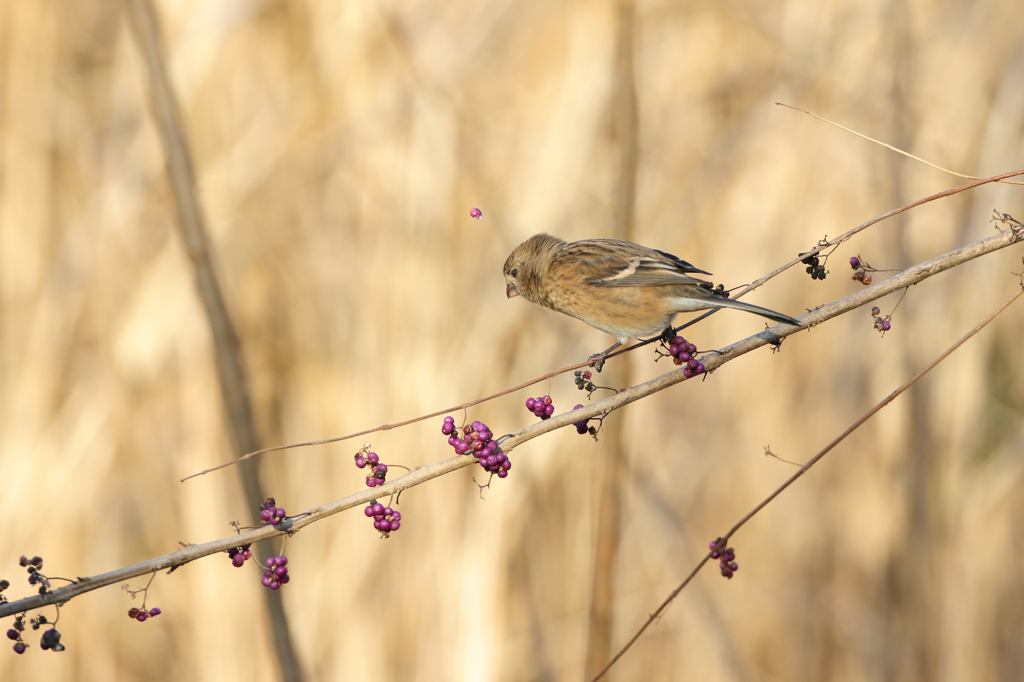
(510, 291)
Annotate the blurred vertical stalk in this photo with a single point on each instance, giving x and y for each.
(233, 383)
(911, 608)
(614, 471)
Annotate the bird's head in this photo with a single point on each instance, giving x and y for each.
(527, 265)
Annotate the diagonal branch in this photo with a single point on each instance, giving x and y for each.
(423, 474)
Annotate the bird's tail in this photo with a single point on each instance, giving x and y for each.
(719, 302)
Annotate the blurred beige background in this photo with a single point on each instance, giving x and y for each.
(339, 147)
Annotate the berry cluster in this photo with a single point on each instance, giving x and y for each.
(239, 555)
(385, 519)
(142, 615)
(378, 470)
(476, 438)
(276, 573)
(815, 268)
(583, 381)
(882, 324)
(861, 275)
(581, 425)
(476, 213)
(50, 639)
(19, 626)
(726, 557)
(270, 513)
(719, 290)
(542, 407)
(684, 353)
(34, 566)
(15, 634)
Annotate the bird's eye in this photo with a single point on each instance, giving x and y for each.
(515, 272)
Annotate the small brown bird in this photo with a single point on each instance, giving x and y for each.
(625, 289)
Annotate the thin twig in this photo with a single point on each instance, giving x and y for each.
(423, 474)
(889, 146)
(750, 287)
(814, 460)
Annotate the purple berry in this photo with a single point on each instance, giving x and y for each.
(684, 356)
(476, 213)
(530, 402)
(854, 262)
(274, 585)
(368, 510)
(265, 515)
(19, 648)
(886, 325)
(12, 634)
(154, 612)
(360, 461)
(237, 561)
(142, 616)
(395, 525)
(502, 473)
(447, 428)
(688, 373)
(700, 368)
(280, 571)
(284, 579)
(396, 516)
(549, 410)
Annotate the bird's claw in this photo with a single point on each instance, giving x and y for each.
(597, 361)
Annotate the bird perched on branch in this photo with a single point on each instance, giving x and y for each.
(625, 289)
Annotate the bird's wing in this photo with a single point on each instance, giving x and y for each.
(614, 263)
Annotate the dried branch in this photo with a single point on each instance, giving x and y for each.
(423, 474)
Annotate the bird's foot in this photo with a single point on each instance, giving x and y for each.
(597, 359)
